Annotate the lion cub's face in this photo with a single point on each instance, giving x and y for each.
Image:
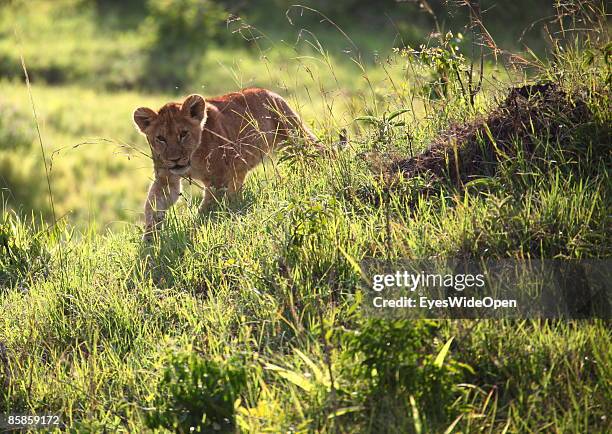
(174, 132)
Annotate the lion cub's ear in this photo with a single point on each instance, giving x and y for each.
(143, 117)
(194, 107)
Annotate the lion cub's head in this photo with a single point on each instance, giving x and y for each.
(174, 132)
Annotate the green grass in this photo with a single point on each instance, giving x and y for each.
(258, 299)
(89, 334)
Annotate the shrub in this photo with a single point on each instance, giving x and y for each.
(23, 254)
(181, 30)
(198, 394)
(188, 24)
(396, 358)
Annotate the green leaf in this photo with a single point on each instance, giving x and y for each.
(452, 426)
(368, 119)
(397, 113)
(345, 410)
(318, 374)
(443, 352)
(416, 418)
(354, 264)
(293, 377)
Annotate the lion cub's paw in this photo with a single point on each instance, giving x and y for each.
(148, 235)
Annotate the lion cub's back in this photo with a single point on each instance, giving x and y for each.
(254, 101)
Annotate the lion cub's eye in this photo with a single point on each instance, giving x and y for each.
(183, 135)
(160, 139)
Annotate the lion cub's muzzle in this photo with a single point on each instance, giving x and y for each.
(180, 169)
(179, 166)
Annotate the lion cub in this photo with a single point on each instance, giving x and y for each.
(215, 140)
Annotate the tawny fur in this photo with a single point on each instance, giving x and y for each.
(215, 140)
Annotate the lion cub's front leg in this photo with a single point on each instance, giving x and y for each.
(163, 193)
(231, 189)
(208, 198)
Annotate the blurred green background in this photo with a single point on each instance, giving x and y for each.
(91, 62)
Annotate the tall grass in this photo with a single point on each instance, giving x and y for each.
(249, 319)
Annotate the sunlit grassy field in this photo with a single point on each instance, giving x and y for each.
(98, 172)
(248, 319)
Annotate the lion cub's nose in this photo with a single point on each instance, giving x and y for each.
(175, 160)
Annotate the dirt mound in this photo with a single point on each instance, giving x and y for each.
(468, 151)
